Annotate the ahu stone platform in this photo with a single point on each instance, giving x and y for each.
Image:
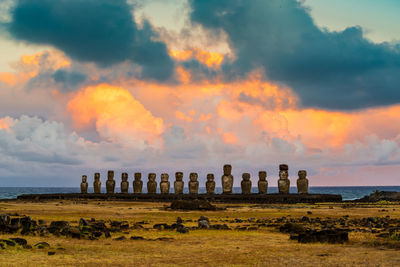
(222, 198)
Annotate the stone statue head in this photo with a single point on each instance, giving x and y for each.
(84, 178)
(179, 176)
(283, 175)
(246, 176)
(262, 175)
(227, 169)
(283, 167)
(283, 171)
(302, 174)
(97, 176)
(164, 177)
(210, 177)
(138, 176)
(124, 176)
(152, 176)
(193, 176)
(110, 175)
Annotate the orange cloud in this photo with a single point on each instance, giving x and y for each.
(3, 124)
(211, 59)
(118, 116)
(8, 78)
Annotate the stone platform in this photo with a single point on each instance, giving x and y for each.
(223, 198)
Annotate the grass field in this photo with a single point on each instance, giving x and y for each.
(263, 247)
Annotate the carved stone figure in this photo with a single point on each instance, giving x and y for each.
(152, 184)
(227, 180)
(84, 184)
(97, 183)
(302, 182)
(246, 183)
(138, 183)
(179, 183)
(164, 185)
(193, 183)
(110, 184)
(124, 183)
(210, 184)
(262, 182)
(283, 182)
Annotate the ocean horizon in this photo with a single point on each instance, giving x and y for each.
(347, 192)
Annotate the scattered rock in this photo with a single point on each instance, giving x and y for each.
(324, 236)
(204, 222)
(51, 253)
(182, 230)
(42, 245)
(19, 241)
(120, 238)
(8, 242)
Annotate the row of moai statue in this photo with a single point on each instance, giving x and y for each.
(226, 179)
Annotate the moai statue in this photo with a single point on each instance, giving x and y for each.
(124, 183)
(302, 182)
(84, 184)
(110, 184)
(227, 180)
(152, 184)
(164, 185)
(246, 183)
(138, 183)
(193, 183)
(97, 183)
(262, 182)
(210, 184)
(283, 182)
(179, 183)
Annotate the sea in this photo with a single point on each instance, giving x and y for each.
(347, 192)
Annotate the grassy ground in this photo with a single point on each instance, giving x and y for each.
(266, 246)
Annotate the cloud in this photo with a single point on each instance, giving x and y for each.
(334, 70)
(117, 115)
(99, 31)
(30, 139)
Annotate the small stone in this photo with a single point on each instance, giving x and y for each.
(120, 238)
(19, 241)
(42, 245)
(179, 220)
(8, 242)
(51, 253)
(182, 230)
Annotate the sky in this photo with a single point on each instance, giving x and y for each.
(190, 85)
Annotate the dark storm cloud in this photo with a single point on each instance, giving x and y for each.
(335, 70)
(71, 78)
(99, 31)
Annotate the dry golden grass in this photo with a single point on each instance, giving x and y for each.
(264, 247)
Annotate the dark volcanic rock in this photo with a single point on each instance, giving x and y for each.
(59, 224)
(42, 245)
(19, 241)
(335, 236)
(192, 205)
(8, 242)
(182, 230)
